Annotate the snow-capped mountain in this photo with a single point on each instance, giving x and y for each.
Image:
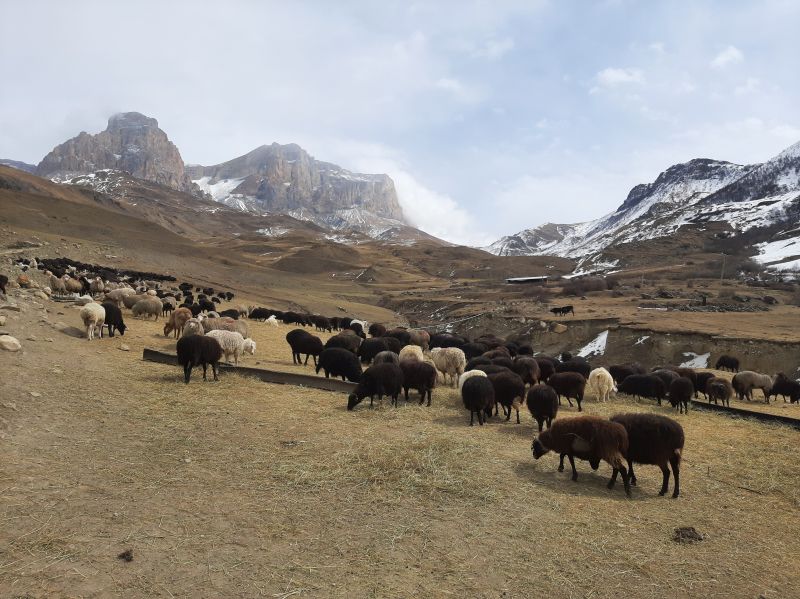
(693, 193)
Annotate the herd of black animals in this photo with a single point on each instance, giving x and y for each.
(506, 368)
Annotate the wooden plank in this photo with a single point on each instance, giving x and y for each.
(268, 376)
(740, 413)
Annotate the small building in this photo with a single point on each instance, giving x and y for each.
(537, 280)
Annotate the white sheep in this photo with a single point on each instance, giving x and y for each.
(93, 316)
(601, 384)
(272, 321)
(83, 300)
(56, 284)
(149, 306)
(152, 292)
(97, 286)
(450, 361)
(468, 375)
(225, 324)
(233, 344)
(411, 352)
(192, 327)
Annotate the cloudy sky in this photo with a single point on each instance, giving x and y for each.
(491, 116)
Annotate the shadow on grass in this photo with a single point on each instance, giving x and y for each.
(545, 472)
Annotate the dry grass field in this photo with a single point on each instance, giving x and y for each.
(246, 489)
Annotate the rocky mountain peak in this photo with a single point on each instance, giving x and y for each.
(132, 142)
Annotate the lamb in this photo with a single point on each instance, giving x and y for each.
(272, 321)
(411, 352)
(468, 375)
(478, 397)
(783, 385)
(542, 403)
(450, 361)
(303, 342)
(233, 344)
(652, 439)
(380, 380)
(192, 327)
(719, 389)
(509, 392)
(527, 369)
(151, 306)
(113, 319)
(386, 357)
(601, 383)
(588, 438)
(338, 361)
(168, 304)
(226, 324)
(370, 348)
(726, 362)
(420, 376)
(93, 316)
(644, 385)
(745, 381)
(680, 393)
(198, 350)
(569, 384)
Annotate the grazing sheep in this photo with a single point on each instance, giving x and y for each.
(346, 340)
(783, 385)
(257, 313)
(198, 350)
(419, 337)
(666, 376)
(504, 361)
(477, 361)
(97, 286)
(569, 384)
(726, 362)
(72, 285)
(498, 352)
(230, 313)
(587, 438)
(680, 393)
(93, 316)
(338, 361)
(370, 348)
(509, 392)
(411, 352)
(129, 300)
(420, 376)
(619, 372)
(378, 379)
(701, 381)
(56, 284)
(113, 319)
(601, 384)
(745, 381)
(377, 330)
(151, 306)
(386, 357)
(321, 323)
(168, 304)
(272, 321)
(192, 327)
(303, 342)
(177, 320)
(644, 385)
(542, 403)
(401, 334)
(492, 368)
(468, 375)
(226, 324)
(473, 350)
(450, 361)
(547, 368)
(719, 389)
(233, 344)
(478, 397)
(688, 373)
(652, 439)
(527, 369)
(393, 344)
(575, 365)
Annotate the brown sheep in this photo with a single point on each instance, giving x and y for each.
(587, 438)
(176, 322)
(719, 389)
(568, 384)
(542, 403)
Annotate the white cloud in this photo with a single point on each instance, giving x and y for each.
(657, 47)
(752, 84)
(458, 90)
(729, 55)
(496, 48)
(613, 77)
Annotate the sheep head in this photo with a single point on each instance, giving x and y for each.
(538, 448)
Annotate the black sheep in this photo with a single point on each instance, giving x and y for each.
(166, 307)
(785, 386)
(726, 362)
(303, 342)
(644, 385)
(619, 372)
(370, 348)
(321, 323)
(477, 393)
(260, 314)
(666, 376)
(3, 283)
(337, 361)
(231, 313)
(420, 376)
(509, 391)
(206, 306)
(547, 367)
(402, 335)
(719, 389)
(542, 403)
(393, 344)
(347, 339)
(680, 393)
(376, 330)
(525, 350)
(569, 384)
(473, 350)
(198, 350)
(379, 379)
(504, 361)
(473, 363)
(527, 368)
(113, 318)
(653, 439)
(491, 368)
(701, 381)
(446, 340)
(575, 365)
(357, 329)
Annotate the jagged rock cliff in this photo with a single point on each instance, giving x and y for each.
(132, 142)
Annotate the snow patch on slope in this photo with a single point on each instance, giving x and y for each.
(596, 347)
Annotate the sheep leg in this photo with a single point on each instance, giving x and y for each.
(472, 417)
(187, 373)
(675, 462)
(625, 479)
(405, 390)
(569, 400)
(540, 422)
(205, 367)
(561, 463)
(613, 479)
(315, 361)
(430, 397)
(214, 370)
(665, 479)
(306, 362)
(517, 409)
(574, 470)
(579, 400)
(631, 475)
